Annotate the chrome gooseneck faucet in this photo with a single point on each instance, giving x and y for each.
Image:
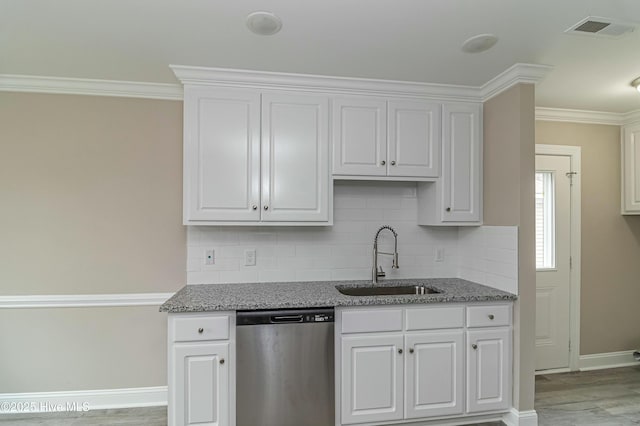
(380, 273)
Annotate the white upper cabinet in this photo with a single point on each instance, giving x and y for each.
(379, 138)
(255, 158)
(631, 169)
(221, 155)
(295, 158)
(456, 198)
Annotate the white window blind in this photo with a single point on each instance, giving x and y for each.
(545, 221)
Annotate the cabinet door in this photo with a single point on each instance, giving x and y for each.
(413, 143)
(488, 369)
(434, 374)
(200, 384)
(359, 136)
(295, 157)
(221, 155)
(371, 387)
(461, 168)
(631, 170)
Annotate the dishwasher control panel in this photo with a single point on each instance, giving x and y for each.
(285, 316)
(319, 318)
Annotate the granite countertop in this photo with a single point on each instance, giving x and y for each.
(285, 295)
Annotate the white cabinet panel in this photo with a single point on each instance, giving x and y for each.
(434, 374)
(221, 154)
(414, 139)
(488, 369)
(359, 136)
(371, 382)
(295, 157)
(202, 378)
(631, 169)
(461, 162)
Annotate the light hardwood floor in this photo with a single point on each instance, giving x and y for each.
(593, 398)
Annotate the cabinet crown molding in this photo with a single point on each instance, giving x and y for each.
(518, 73)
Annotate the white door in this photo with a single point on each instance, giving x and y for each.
(553, 276)
(488, 369)
(203, 374)
(359, 136)
(461, 159)
(221, 155)
(413, 144)
(372, 389)
(295, 157)
(434, 374)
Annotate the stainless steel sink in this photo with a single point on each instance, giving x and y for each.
(387, 290)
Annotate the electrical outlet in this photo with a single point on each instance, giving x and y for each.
(250, 257)
(210, 257)
(439, 254)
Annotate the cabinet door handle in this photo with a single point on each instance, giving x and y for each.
(410, 350)
(266, 207)
(491, 316)
(474, 346)
(200, 330)
(393, 163)
(400, 351)
(448, 209)
(255, 207)
(382, 163)
(221, 360)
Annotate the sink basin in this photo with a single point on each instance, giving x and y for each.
(387, 290)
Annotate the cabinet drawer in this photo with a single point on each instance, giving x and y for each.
(435, 317)
(363, 321)
(200, 328)
(488, 315)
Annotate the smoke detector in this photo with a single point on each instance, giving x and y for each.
(602, 27)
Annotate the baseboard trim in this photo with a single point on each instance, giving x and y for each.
(39, 402)
(520, 418)
(607, 360)
(83, 300)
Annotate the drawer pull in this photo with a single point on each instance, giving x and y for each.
(200, 330)
(474, 346)
(221, 360)
(491, 316)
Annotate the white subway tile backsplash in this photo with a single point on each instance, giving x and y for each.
(343, 251)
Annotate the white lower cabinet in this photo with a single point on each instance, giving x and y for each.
(488, 369)
(434, 379)
(372, 378)
(201, 370)
(418, 371)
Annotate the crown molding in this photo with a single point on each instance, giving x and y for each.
(587, 117)
(83, 300)
(579, 116)
(190, 75)
(516, 74)
(83, 86)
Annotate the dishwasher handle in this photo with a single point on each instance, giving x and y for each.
(276, 319)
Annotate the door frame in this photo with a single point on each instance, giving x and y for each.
(574, 153)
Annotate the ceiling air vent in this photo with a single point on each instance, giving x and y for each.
(604, 27)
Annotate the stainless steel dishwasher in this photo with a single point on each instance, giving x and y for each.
(285, 368)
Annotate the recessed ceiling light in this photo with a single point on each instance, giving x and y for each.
(636, 83)
(263, 23)
(479, 43)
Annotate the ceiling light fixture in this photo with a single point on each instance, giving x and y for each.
(636, 83)
(263, 23)
(479, 43)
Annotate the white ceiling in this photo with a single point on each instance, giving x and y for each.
(415, 40)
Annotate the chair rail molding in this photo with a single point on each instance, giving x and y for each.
(83, 300)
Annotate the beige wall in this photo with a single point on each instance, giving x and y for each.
(91, 203)
(610, 290)
(509, 164)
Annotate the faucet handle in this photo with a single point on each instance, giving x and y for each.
(381, 273)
